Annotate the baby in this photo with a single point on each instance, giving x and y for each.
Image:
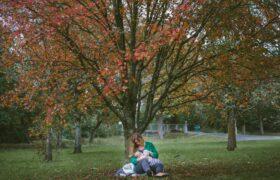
(147, 155)
(154, 163)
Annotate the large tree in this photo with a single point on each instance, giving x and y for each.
(134, 54)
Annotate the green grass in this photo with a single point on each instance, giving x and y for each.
(194, 157)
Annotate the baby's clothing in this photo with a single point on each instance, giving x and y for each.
(152, 161)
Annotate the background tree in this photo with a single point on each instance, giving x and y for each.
(14, 120)
(264, 102)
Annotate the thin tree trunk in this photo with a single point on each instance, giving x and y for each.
(59, 139)
(236, 130)
(48, 146)
(231, 131)
(78, 138)
(261, 126)
(93, 130)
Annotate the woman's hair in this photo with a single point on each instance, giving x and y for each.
(138, 137)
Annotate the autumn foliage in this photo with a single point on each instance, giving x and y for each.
(135, 57)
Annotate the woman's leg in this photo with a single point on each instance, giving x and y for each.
(138, 169)
(143, 167)
(120, 172)
(157, 168)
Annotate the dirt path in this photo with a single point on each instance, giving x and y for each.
(241, 137)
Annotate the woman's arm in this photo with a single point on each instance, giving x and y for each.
(152, 149)
(133, 160)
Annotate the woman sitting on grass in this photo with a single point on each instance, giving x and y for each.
(145, 157)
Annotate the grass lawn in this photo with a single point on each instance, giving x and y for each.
(193, 157)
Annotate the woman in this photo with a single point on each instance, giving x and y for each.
(143, 164)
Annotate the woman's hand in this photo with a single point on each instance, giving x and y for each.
(147, 153)
(141, 157)
(137, 154)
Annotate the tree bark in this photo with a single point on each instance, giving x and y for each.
(235, 125)
(231, 145)
(78, 138)
(48, 146)
(127, 142)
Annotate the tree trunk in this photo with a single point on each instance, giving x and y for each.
(59, 139)
(231, 131)
(127, 142)
(261, 126)
(236, 130)
(78, 138)
(48, 146)
(93, 130)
